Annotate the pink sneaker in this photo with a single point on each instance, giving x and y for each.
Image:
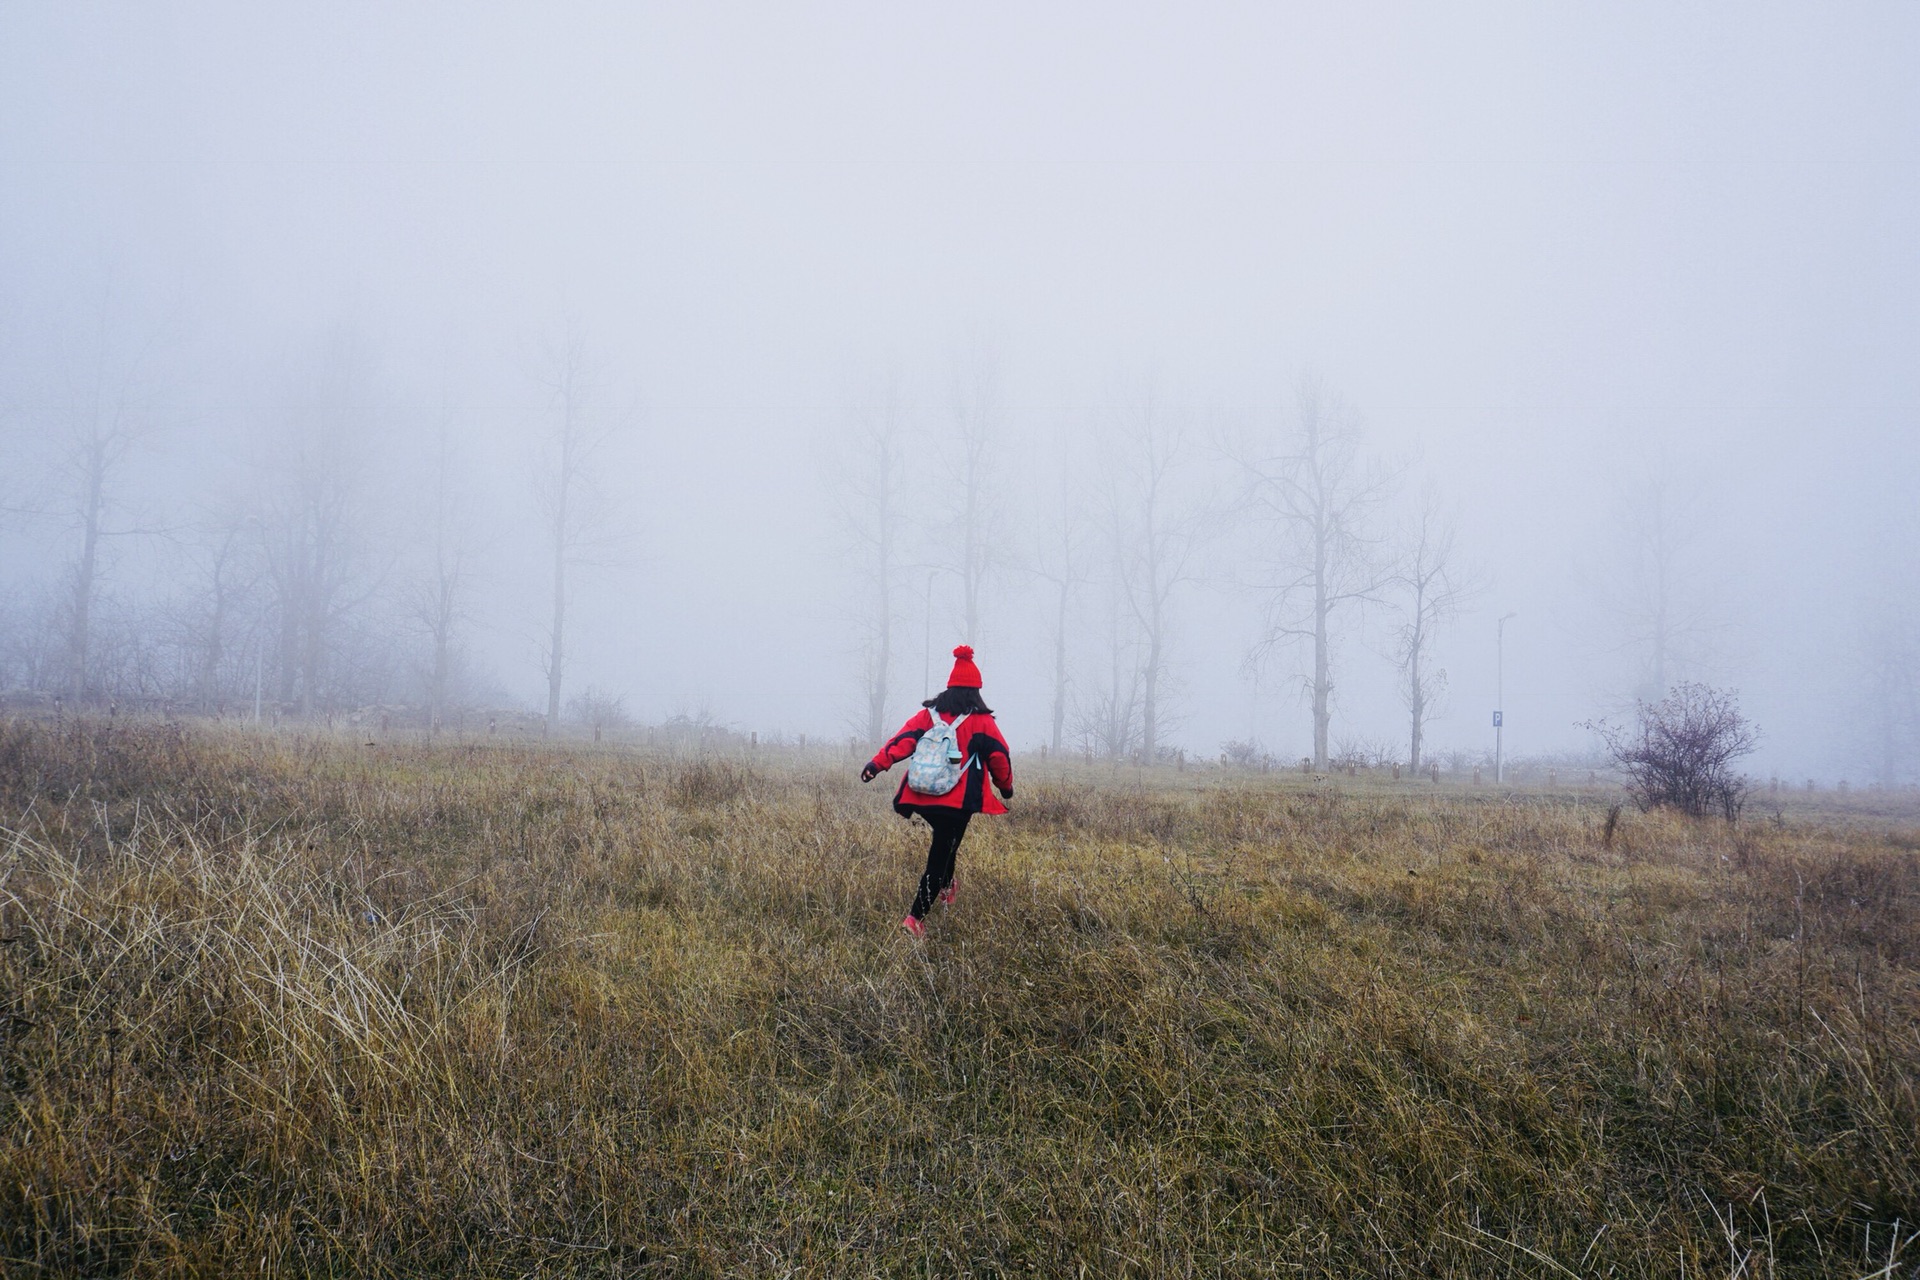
(946, 894)
(914, 927)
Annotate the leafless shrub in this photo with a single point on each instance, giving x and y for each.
(1363, 753)
(1246, 755)
(1680, 751)
(699, 733)
(598, 710)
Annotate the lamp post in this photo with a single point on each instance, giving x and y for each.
(1500, 697)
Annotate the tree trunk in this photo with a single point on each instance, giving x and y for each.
(1660, 647)
(78, 638)
(1322, 680)
(877, 678)
(1150, 701)
(289, 656)
(1418, 709)
(556, 652)
(881, 671)
(1416, 691)
(210, 665)
(82, 620)
(972, 570)
(1060, 665)
(973, 533)
(970, 579)
(441, 660)
(311, 656)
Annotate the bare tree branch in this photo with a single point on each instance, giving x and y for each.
(1156, 523)
(1432, 589)
(571, 502)
(873, 507)
(1318, 498)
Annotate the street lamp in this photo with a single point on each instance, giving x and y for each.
(1500, 697)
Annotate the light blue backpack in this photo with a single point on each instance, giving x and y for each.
(936, 764)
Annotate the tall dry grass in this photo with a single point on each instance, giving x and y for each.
(272, 1005)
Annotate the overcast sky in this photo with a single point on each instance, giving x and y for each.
(1535, 246)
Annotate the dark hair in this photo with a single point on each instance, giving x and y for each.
(958, 700)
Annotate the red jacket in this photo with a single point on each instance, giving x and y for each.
(981, 746)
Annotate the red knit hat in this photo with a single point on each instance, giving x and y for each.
(965, 674)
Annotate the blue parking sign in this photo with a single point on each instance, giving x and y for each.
(1496, 719)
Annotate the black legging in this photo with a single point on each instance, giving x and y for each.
(949, 825)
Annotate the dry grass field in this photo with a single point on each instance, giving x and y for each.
(309, 1006)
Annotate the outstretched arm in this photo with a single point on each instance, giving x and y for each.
(899, 746)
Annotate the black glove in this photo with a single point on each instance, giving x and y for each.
(869, 773)
(1006, 793)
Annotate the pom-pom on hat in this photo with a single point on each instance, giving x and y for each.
(965, 675)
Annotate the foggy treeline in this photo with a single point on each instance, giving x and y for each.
(329, 562)
(569, 372)
(1117, 535)
(338, 560)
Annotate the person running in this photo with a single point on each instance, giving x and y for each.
(982, 752)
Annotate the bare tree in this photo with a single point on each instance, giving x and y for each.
(225, 564)
(1108, 716)
(104, 423)
(599, 710)
(1061, 560)
(1433, 587)
(313, 525)
(873, 511)
(570, 501)
(1155, 524)
(1319, 496)
(974, 544)
(439, 597)
(1658, 594)
(1887, 680)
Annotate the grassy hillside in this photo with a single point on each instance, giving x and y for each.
(283, 1006)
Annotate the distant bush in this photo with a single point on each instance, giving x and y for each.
(1363, 753)
(598, 710)
(1679, 753)
(698, 732)
(1246, 755)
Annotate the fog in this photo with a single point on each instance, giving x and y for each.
(1627, 296)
